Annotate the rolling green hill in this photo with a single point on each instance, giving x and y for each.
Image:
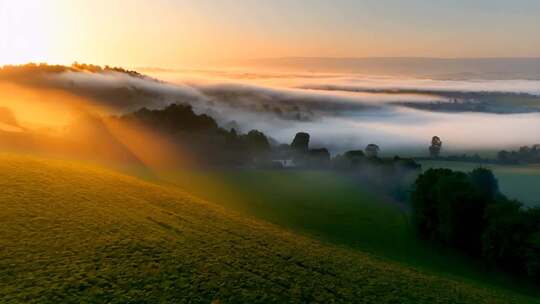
(73, 233)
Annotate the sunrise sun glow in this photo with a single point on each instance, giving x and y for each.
(177, 33)
(24, 32)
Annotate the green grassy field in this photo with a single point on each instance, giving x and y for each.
(518, 182)
(73, 233)
(342, 211)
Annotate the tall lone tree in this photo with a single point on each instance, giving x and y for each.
(300, 142)
(372, 151)
(435, 148)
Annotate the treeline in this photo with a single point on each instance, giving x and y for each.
(525, 154)
(474, 158)
(389, 175)
(214, 146)
(24, 69)
(200, 134)
(302, 155)
(466, 211)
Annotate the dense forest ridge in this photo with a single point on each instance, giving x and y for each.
(11, 70)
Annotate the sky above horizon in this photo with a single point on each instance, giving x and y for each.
(176, 33)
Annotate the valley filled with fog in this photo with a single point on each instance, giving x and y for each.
(341, 111)
(348, 111)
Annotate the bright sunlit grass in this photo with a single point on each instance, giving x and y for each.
(76, 233)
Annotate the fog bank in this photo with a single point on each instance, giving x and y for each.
(340, 111)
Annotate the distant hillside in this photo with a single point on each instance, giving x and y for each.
(443, 68)
(77, 234)
(25, 70)
(115, 88)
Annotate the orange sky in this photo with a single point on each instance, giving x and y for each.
(175, 33)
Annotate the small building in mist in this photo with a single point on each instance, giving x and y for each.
(285, 163)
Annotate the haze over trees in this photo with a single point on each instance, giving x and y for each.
(524, 154)
(200, 134)
(372, 150)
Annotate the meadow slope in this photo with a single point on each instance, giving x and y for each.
(73, 233)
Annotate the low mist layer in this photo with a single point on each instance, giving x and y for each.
(340, 111)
